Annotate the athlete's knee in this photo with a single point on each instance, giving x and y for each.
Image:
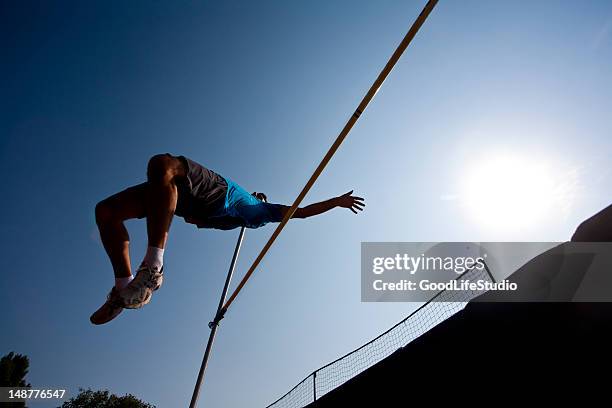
(162, 168)
(104, 213)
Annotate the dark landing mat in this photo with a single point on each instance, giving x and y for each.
(495, 353)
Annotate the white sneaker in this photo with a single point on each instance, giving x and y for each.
(138, 292)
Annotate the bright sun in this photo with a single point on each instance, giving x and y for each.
(506, 192)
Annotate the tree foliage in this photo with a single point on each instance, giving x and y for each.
(13, 370)
(104, 399)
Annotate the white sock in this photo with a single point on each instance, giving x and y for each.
(154, 258)
(121, 283)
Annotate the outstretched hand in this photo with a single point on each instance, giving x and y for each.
(351, 202)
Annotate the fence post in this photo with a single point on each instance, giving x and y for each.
(489, 272)
(314, 385)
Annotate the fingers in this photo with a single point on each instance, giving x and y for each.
(358, 201)
(355, 204)
(354, 198)
(356, 207)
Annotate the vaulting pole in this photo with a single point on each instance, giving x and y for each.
(345, 131)
(215, 323)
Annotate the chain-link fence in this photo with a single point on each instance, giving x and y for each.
(336, 373)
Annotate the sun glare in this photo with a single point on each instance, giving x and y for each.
(506, 192)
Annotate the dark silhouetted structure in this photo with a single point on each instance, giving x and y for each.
(498, 353)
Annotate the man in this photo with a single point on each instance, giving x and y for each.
(179, 186)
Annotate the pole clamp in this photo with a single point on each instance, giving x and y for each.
(218, 317)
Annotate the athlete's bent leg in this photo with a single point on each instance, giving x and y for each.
(110, 215)
(160, 205)
(162, 196)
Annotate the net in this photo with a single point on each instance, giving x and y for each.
(430, 314)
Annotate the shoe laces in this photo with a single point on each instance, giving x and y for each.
(147, 276)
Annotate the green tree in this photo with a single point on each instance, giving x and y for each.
(13, 370)
(104, 399)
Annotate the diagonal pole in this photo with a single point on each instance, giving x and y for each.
(345, 131)
(223, 304)
(215, 323)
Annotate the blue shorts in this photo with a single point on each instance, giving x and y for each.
(245, 209)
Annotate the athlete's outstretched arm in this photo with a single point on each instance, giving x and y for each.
(355, 204)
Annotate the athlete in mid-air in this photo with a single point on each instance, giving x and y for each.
(179, 186)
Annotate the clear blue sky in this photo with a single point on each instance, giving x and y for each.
(257, 91)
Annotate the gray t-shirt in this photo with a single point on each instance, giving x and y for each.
(201, 193)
